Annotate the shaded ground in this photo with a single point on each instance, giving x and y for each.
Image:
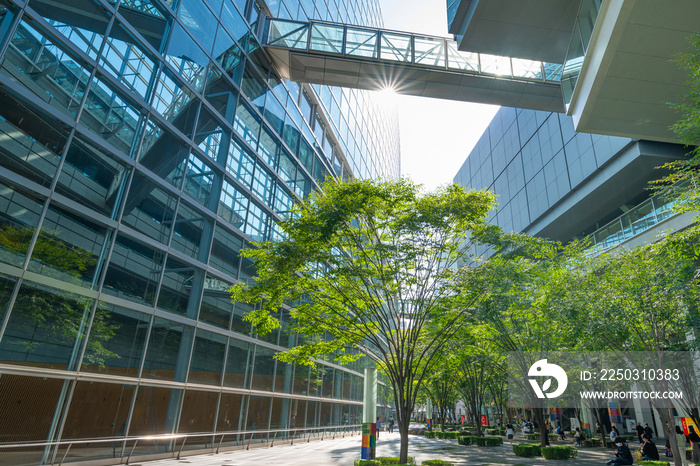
(343, 452)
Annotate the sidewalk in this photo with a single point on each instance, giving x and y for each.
(343, 452)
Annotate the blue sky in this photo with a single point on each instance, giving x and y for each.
(436, 135)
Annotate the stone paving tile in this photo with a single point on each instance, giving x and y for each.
(343, 452)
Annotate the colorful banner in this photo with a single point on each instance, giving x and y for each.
(484, 420)
(614, 412)
(687, 422)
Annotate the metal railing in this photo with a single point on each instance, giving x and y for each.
(635, 221)
(380, 45)
(217, 438)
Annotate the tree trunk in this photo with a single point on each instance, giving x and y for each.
(538, 414)
(666, 416)
(403, 431)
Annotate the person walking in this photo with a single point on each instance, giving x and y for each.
(379, 427)
(391, 424)
(681, 439)
(648, 431)
(510, 432)
(640, 432)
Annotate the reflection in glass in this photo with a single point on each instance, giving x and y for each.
(207, 358)
(224, 252)
(257, 223)
(121, 354)
(19, 216)
(46, 328)
(199, 21)
(31, 143)
(163, 153)
(174, 101)
(186, 57)
(149, 211)
(216, 304)
(168, 351)
(263, 369)
(233, 205)
(111, 116)
(240, 163)
(133, 271)
(68, 247)
(247, 124)
(92, 176)
(85, 29)
(174, 293)
(237, 364)
(199, 179)
(189, 227)
(41, 66)
(127, 60)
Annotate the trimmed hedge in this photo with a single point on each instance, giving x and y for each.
(436, 463)
(496, 431)
(429, 434)
(591, 442)
(385, 460)
(452, 435)
(439, 434)
(527, 450)
(563, 452)
(480, 441)
(653, 463)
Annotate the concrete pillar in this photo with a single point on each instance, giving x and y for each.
(369, 399)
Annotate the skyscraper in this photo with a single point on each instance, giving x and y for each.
(144, 143)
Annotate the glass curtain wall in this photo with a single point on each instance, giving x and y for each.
(143, 145)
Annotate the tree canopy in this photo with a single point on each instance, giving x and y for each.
(367, 265)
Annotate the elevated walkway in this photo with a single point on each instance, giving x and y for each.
(374, 59)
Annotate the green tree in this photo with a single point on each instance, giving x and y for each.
(368, 264)
(441, 385)
(642, 300)
(519, 322)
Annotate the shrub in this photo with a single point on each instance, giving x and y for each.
(653, 463)
(439, 434)
(535, 436)
(367, 463)
(436, 463)
(464, 440)
(429, 434)
(384, 460)
(487, 441)
(527, 450)
(559, 453)
(452, 435)
(491, 431)
(591, 442)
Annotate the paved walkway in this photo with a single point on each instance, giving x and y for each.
(343, 452)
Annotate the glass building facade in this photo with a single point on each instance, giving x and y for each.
(555, 182)
(143, 144)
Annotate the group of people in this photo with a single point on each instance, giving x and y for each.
(648, 449)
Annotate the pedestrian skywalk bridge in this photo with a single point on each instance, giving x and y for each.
(363, 58)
